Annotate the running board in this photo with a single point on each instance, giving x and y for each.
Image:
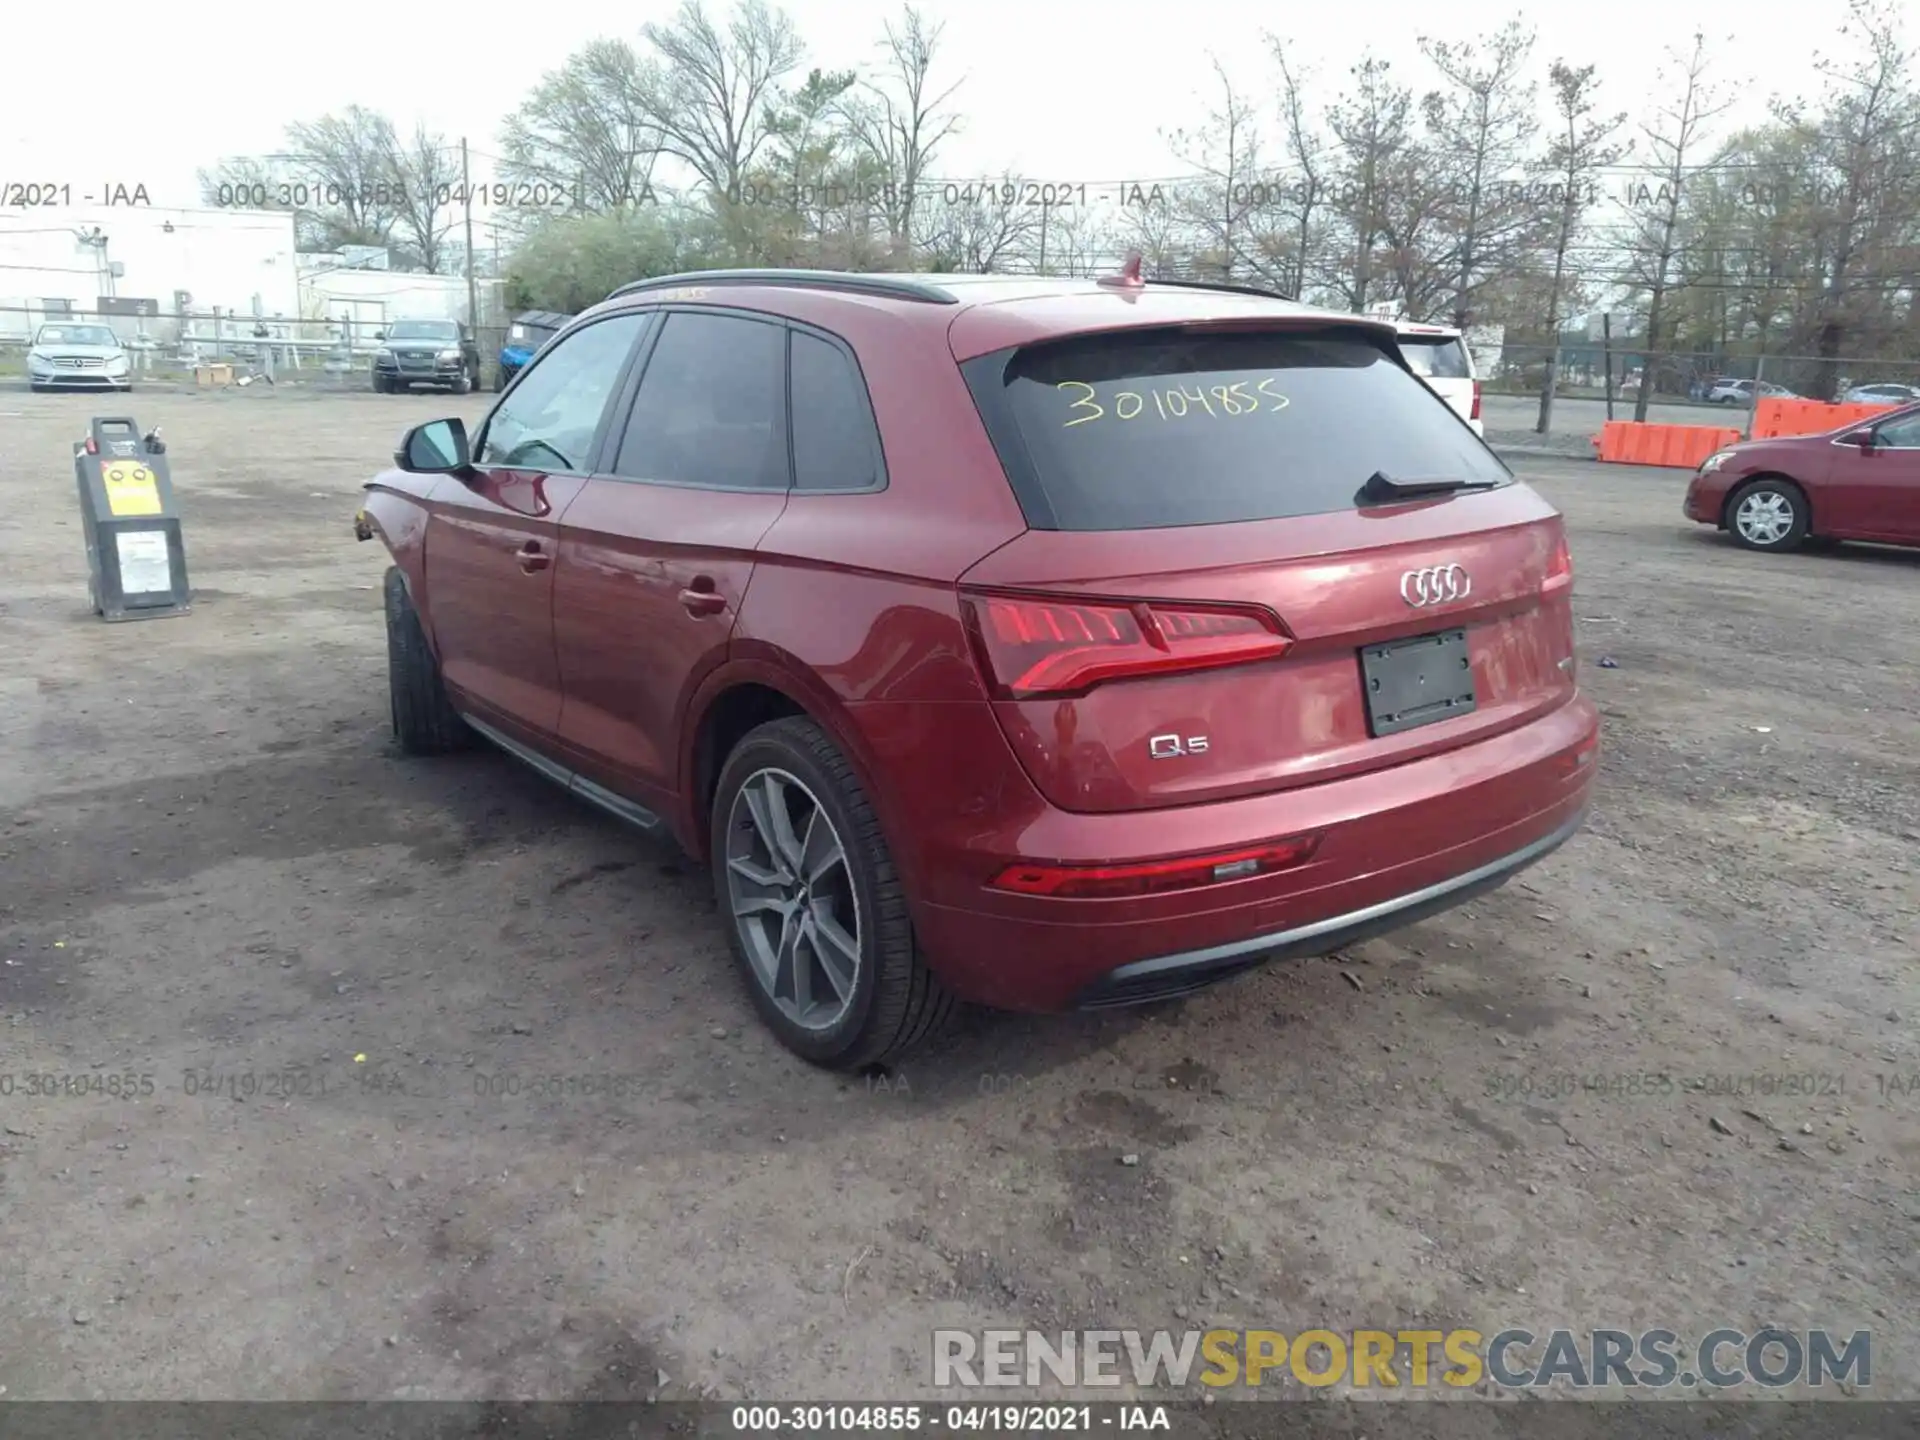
(617, 806)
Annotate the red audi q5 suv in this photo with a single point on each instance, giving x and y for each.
(1044, 643)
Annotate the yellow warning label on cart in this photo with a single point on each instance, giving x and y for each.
(130, 488)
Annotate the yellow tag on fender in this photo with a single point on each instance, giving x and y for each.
(130, 488)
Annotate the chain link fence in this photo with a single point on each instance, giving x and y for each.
(1695, 379)
(218, 348)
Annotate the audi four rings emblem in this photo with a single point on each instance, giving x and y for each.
(1435, 585)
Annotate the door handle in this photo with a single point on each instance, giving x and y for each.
(532, 558)
(700, 598)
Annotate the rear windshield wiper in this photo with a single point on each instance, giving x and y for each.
(1382, 487)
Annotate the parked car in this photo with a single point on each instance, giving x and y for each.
(529, 331)
(1859, 482)
(426, 352)
(82, 356)
(1440, 356)
(971, 631)
(1887, 393)
(1740, 392)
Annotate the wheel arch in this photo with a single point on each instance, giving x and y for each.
(398, 520)
(742, 695)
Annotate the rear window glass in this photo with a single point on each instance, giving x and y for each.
(1149, 430)
(1436, 359)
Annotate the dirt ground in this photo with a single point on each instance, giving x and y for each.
(216, 873)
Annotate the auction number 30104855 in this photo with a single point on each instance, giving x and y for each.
(1176, 402)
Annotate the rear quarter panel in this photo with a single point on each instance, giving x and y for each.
(852, 611)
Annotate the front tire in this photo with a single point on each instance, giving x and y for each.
(1768, 514)
(463, 385)
(424, 720)
(815, 911)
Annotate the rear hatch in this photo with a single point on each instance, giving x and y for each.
(1440, 357)
(1215, 601)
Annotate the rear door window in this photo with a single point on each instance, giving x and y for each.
(1437, 359)
(712, 406)
(1146, 430)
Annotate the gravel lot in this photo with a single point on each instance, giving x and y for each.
(215, 872)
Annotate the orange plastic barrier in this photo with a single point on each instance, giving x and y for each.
(1773, 418)
(1630, 442)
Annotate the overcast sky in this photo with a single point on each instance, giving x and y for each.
(135, 92)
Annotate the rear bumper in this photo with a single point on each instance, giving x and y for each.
(1397, 845)
(1190, 970)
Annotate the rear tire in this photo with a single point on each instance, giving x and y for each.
(424, 720)
(1768, 514)
(891, 1002)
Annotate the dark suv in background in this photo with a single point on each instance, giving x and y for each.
(1037, 642)
(441, 353)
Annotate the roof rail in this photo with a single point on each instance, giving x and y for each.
(892, 286)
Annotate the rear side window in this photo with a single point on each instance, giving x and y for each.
(1438, 359)
(1147, 430)
(712, 406)
(835, 444)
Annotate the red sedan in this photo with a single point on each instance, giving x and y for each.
(1861, 482)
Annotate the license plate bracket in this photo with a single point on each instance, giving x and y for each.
(1417, 681)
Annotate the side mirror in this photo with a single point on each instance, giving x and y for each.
(438, 447)
(379, 334)
(1862, 437)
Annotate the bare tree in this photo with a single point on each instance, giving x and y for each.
(1306, 153)
(904, 122)
(1371, 132)
(1582, 147)
(584, 129)
(426, 174)
(1081, 241)
(1481, 128)
(1229, 201)
(980, 230)
(1674, 134)
(1862, 141)
(246, 182)
(712, 93)
(1150, 222)
(346, 178)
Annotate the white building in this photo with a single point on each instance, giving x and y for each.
(150, 264)
(347, 286)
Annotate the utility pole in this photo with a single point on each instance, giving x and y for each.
(466, 191)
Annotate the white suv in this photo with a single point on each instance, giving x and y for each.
(1440, 357)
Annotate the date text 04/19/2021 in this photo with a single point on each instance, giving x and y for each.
(948, 1419)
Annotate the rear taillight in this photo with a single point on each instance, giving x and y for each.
(1559, 568)
(1578, 759)
(1030, 646)
(1476, 401)
(1109, 882)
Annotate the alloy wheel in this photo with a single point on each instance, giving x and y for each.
(1765, 517)
(792, 894)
